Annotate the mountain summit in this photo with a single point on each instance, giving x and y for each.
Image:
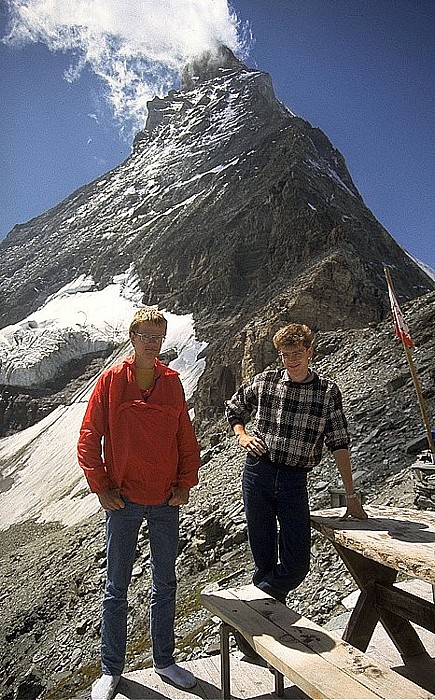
(230, 208)
(208, 66)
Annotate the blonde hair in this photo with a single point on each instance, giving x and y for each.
(147, 313)
(293, 334)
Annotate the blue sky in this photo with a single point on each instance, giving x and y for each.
(361, 70)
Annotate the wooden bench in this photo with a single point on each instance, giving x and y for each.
(317, 661)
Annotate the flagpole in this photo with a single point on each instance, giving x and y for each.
(421, 400)
(414, 375)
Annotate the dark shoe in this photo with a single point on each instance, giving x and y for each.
(177, 675)
(244, 646)
(281, 596)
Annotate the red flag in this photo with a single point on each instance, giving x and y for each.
(400, 324)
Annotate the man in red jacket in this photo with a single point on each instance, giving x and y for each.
(140, 456)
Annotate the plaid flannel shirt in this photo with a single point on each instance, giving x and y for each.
(293, 419)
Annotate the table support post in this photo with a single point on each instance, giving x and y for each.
(366, 613)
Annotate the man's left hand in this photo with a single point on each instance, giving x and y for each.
(179, 496)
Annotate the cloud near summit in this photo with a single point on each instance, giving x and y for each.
(137, 48)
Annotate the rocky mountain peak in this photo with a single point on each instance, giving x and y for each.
(230, 208)
(209, 65)
(213, 74)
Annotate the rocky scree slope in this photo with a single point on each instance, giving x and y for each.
(51, 578)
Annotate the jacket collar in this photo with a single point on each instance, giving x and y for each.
(159, 367)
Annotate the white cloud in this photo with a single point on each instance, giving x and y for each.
(137, 48)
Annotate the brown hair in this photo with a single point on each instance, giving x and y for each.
(293, 334)
(147, 313)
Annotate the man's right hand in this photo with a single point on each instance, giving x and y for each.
(251, 444)
(111, 500)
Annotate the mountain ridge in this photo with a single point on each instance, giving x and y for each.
(229, 156)
(229, 207)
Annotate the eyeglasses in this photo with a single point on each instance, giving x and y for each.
(146, 337)
(297, 355)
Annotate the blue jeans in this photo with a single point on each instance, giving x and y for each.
(122, 529)
(277, 497)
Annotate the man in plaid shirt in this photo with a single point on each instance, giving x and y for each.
(294, 412)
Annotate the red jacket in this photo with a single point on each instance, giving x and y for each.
(148, 445)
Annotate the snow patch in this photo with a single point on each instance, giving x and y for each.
(426, 268)
(78, 320)
(325, 169)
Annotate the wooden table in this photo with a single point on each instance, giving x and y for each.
(392, 540)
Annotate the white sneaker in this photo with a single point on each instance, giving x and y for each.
(105, 687)
(177, 675)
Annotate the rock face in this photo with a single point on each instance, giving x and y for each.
(229, 207)
(22, 407)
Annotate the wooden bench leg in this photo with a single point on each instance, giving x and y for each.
(279, 683)
(224, 635)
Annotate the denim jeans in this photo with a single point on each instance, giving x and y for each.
(122, 529)
(278, 518)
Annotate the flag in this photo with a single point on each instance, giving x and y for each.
(400, 324)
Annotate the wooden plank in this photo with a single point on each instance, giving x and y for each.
(366, 573)
(248, 682)
(318, 662)
(146, 684)
(362, 622)
(293, 658)
(401, 538)
(374, 676)
(406, 605)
